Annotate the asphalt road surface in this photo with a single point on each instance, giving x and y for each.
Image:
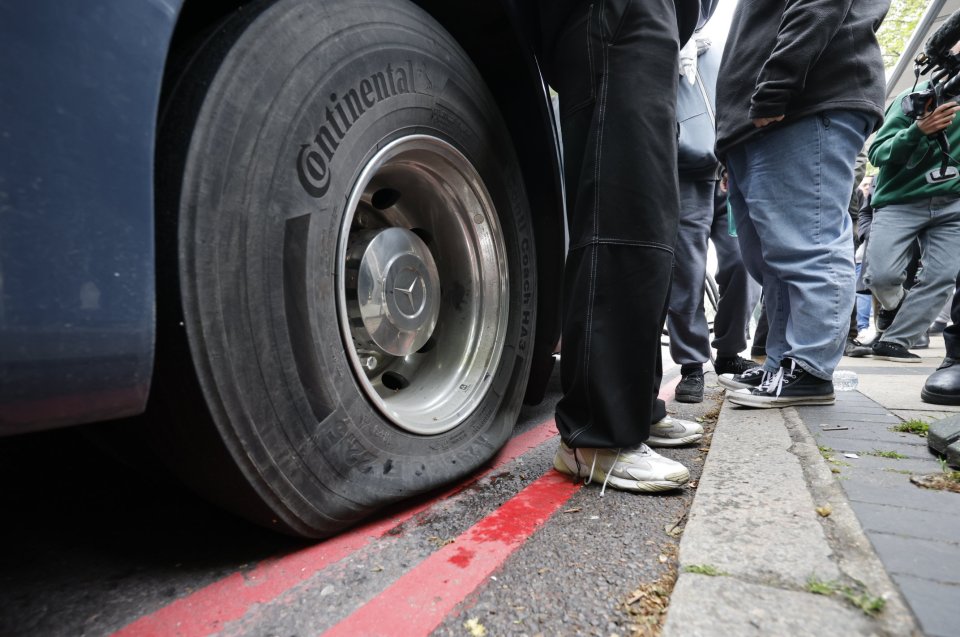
(95, 546)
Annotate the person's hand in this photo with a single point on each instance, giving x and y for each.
(760, 122)
(939, 119)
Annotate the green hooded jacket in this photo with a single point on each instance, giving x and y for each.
(905, 155)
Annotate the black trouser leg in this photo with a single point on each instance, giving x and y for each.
(739, 293)
(617, 89)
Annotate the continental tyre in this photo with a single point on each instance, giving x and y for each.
(347, 262)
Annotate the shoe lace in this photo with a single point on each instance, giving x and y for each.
(775, 383)
(589, 478)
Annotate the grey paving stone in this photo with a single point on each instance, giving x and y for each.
(944, 433)
(936, 526)
(934, 604)
(914, 498)
(866, 431)
(703, 606)
(924, 559)
(905, 467)
(867, 446)
(953, 455)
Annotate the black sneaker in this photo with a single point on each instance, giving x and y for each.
(732, 365)
(922, 342)
(791, 385)
(749, 379)
(856, 349)
(884, 350)
(885, 317)
(690, 388)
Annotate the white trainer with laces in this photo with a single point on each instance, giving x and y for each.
(673, 432)
(638, 469)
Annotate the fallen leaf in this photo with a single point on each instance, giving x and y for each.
(573, 510)
(825, 510)
(475, 627)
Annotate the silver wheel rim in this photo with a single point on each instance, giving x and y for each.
(423, 285)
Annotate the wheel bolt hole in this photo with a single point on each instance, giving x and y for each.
(384, 198)
(425, 236)
(429, 345)
(394, 381)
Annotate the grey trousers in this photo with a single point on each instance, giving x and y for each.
(936, 221)
(686, 321)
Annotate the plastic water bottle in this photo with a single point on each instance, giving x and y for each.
(844, 380)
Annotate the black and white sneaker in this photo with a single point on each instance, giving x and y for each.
(749, 379)
(887, 351)
(885, 318)
(732, 365)
(791, 385)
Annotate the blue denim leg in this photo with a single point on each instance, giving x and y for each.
(750, 250)
(864, 306)
(790, 191)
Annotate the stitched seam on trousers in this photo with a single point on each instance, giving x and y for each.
(622, 242)
(576, 434)
(604, 79)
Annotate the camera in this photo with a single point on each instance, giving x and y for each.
(944, 65)
(944, 86)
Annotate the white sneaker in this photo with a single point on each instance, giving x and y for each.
(638, 469)
(673, 432)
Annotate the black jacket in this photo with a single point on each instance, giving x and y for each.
(796, 58)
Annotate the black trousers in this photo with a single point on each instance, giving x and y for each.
(739, 293)
(617, 84)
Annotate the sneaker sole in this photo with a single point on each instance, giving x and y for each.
(655, 441)
(762, 402)
(896, 359)
(728, 383)
(674, 481)
(688, 398)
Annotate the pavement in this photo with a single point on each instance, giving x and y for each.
(806, 521)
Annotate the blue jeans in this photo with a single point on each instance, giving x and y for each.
(789, 192)
(864, 306)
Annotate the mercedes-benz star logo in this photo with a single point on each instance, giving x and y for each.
(409, 296)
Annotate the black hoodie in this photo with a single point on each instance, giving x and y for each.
(796, 58)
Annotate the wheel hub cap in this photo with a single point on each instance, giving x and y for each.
(398, 291)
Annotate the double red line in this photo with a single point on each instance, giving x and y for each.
(420, 599)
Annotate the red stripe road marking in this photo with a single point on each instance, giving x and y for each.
(666, 391)
(415, 604)
(229, 599)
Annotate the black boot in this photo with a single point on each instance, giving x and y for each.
(943, 386)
